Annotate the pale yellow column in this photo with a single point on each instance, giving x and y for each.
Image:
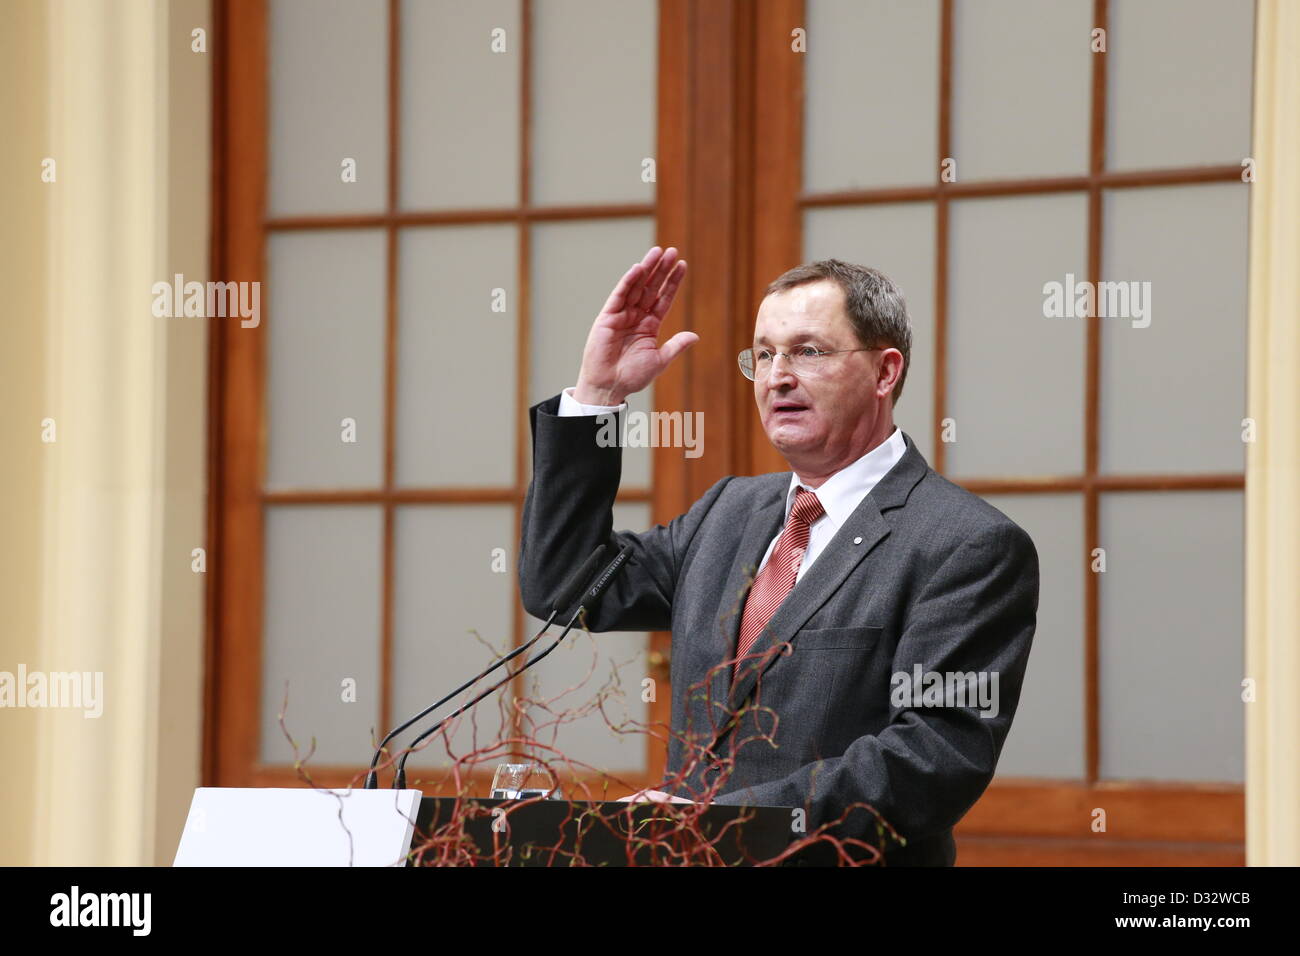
(22, 391)
(1273, 460)
(178, 748)
(123, 488)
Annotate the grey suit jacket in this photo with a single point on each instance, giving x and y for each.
(924, 575)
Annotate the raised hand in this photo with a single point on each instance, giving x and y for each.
(623, 354)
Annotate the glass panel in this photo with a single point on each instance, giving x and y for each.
(1002, 348)
(594, 91)
(1179, 97)
(325, 359)
(328, 78)
(1047, 735)
(885, 133)
(586, 668)
(321, 633)
(456, 390)
(1022, 80)
(460, 103)
(899, 241)
(453, 611)
(575, 265)
(1172, 609)
(1173, 374)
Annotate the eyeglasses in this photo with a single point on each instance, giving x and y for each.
(804, 359)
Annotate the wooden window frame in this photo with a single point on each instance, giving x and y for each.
(237, 424)
(737, 214)
(1028, 820)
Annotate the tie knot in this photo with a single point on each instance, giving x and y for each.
(806, 507)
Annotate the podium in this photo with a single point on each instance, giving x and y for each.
(307, 827)
(600, 833)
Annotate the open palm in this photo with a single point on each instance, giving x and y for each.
(623, 354)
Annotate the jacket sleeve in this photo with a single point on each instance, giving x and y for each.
(931, 763)
(568, 513)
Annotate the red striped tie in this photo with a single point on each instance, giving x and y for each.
(777, 578)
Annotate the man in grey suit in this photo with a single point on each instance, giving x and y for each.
(849, 634)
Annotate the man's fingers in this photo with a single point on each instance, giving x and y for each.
(617, 300)
(636, 291)
(648, 287)
(631, 288)
(653, 796)
(658, 271)
(678, 344)
(669, 290)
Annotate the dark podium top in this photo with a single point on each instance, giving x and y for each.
(605, 833)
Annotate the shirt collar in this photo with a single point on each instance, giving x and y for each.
(843, 491)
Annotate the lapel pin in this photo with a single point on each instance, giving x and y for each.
(857, 540)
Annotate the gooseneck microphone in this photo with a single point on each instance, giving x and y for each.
(589, 600)
(563, 599)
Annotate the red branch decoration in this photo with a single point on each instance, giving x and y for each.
(650, 833)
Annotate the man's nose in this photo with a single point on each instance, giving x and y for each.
(781, 372)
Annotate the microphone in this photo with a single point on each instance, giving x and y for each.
(564, 597)
(589, 600)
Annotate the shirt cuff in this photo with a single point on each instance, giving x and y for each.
(571, 406)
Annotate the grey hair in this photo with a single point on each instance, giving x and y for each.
(876, 307)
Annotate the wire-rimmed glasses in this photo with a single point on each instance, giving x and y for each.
(803, 359)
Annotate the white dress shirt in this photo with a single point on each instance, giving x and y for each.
(840, 494)
(571, 406)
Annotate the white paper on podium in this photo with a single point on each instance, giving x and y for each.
(264, 826)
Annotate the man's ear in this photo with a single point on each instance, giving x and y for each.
(891, 364)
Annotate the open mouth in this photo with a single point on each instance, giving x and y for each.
(788, 408)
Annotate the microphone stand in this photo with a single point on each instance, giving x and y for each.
(563, 599)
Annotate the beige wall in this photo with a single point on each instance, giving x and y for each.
(189, 124)
(1273, 460)
(22, 360)
(101, 523)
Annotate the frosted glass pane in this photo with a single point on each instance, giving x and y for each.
(456, 387)
(1178, 90)
(575, 265)
(1015, 385)
(899, 241)
(460, 103)
(325, 359)
(586, 668)
(328, 65)
(451, 581)
(593, 100)
(1021, 84)
(1172, 655)
(885, 132)
(1047, 735)
(321, 631)
(1174, 379)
